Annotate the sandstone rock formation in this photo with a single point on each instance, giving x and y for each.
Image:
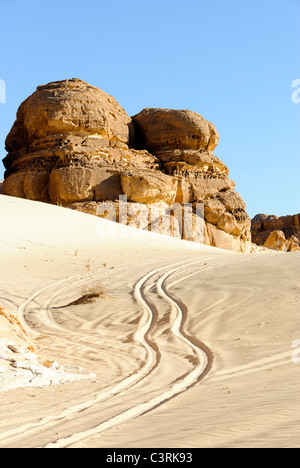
(184, 142)
(72, 144)
(276, 233)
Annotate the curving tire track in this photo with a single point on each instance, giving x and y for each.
(203, 357)
(44, 317)
(203, 364)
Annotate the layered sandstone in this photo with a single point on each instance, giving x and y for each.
(184, 142)
(69, 139)
(277, 233)
(74, 145)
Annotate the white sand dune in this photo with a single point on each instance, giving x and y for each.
(186, 345)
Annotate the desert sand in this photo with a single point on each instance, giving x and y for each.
(184, 346)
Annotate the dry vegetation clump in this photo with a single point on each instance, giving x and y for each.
(89, 294)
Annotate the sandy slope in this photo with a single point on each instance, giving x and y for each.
(188, 347)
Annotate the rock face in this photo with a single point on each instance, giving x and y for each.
(72, 144)
(276, 233)
(184, 141)
(167, 129)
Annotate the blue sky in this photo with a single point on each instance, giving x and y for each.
(231, 61)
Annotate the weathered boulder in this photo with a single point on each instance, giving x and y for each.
(276, 241)
(70, 143)
(69, 107)
(149, 187)
(293, 244)
(277, 233)
(168, 129)
(74, 145)
(75, 184)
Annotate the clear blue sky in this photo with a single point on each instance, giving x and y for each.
(232, 61)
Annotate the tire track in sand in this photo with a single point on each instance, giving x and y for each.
(203, 362)
(141, 336)
(202, 359)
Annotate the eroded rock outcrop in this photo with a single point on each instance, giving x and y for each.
(69, 142)
(184, 141)
(73, 144)
(276, 233)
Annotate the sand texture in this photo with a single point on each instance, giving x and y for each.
(142, 340)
